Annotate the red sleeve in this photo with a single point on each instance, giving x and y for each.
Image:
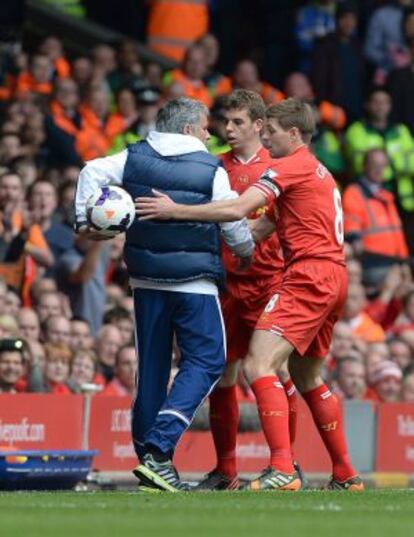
(268, 184)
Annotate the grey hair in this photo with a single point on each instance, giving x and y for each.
(178, 113)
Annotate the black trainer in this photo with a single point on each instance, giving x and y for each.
(218, 481)
(301, 474)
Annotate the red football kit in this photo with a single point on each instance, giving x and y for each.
(247, 293)
(309, 300)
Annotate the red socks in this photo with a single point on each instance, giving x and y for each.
(274, 416)
(327, 416)
(292, 397)
(224, 422)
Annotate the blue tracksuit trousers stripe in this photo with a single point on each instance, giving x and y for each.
(158, 418)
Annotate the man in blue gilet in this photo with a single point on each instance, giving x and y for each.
(175, 272)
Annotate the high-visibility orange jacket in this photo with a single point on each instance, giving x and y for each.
(62, 67)
(270, 94)
(174, 24)
(332, 115)
(26, 83)
(95, 137)
(363, 327)
(195, 89)
(373, 217)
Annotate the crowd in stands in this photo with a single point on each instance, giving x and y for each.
(66, 312)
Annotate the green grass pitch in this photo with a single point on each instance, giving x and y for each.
(112, 514)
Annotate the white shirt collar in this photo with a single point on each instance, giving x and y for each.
(171, 144)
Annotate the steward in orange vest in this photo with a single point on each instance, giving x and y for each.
(246, 76)
(370, 211)
(173, 25)
(190, 76)
(99, 127)
(38, 79)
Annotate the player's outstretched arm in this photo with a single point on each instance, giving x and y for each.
(162, 207)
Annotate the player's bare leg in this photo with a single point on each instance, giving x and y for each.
(224, 422)
(327, 415)
(267, 354)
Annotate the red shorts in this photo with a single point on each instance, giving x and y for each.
(241, 314)
(306, 306)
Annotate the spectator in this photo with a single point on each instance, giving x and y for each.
(400, 84)
(314, 21)
(408, 389)
(400, 353)
(298, 85)
(114, 295)
(125, 371)
(386, 381)
(121, 318)
(52, 47)
(80, 335)
(82, 370)
(246, 76)
(354, 269)
(372, 223)
(384, 37)
(43, 202)
(217, 143)
(386, 304)
(216, 82)
(376, 131)
(338, 68)
(29, 325)
(81, 276)
(363, 327)
(146, 108)
(8, 326)
(108, 343)
(58, 357)
(65, 210)
(405, 321)
(63, 124)
(13, 302)
(3, 292)
(57, 329)
(82, 73)
(103, 59)
(11, 364)
(100, 129)
(20, 235)
(48, 304)
(129, 70)
(37, 80)
(351, 379)
(191, 75)
(342, 342)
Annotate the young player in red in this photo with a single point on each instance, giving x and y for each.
(297, 323)
(247, 292)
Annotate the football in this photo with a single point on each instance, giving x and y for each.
(110, 211)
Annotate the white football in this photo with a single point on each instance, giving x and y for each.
(110, 210)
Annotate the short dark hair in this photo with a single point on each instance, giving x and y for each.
(294, 112)
(118, 313)
(251, 101)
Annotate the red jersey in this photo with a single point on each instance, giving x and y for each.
(310, 220)
(266, 263)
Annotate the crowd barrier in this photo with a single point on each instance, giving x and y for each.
(380, 438)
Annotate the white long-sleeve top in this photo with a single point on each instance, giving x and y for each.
(110, 170)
